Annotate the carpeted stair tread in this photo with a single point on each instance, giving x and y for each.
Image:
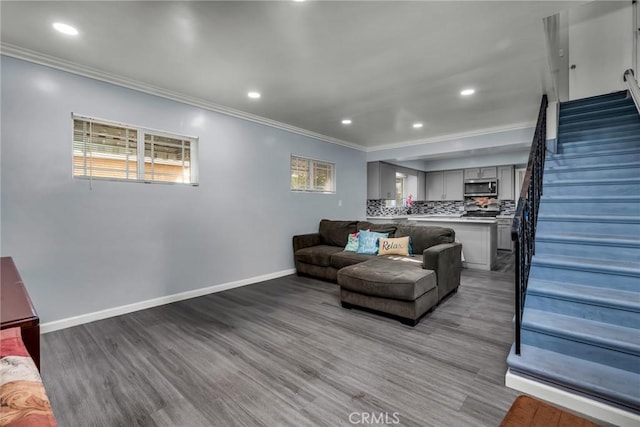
(594, 153)
(629, 268)
(604, 106)
(605, 335)
(591, 218)
(596, 380)
(630, 117)
(620, 108)
(621, 130)
(604, 166)
(592, 239)
(591, 199)
(593, 100)
(595, 143)
(599, 181)
(604, 297)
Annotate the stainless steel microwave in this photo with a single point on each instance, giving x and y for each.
(481, 187)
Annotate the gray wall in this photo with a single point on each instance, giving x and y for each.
(80, 251)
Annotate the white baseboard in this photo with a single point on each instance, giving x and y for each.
(129, 308)
(573, 402)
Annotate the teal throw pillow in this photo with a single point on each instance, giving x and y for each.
(352, 243)
(368, 242)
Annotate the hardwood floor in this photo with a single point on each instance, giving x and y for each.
(284, 353)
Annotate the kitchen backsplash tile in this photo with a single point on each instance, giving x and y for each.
(507, 207)
(377, 208)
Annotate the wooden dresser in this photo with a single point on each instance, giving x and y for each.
(16, 309)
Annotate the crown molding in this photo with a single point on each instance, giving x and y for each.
(18, 52)
(453, 136)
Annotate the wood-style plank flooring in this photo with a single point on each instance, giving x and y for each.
(284, 353)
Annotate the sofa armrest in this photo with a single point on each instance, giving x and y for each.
(305, 241)
(445, 260)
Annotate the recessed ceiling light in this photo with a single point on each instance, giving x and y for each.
(417, 125)
(346, 121)
(298, 1)
(467, 92)
(65, 29)
(254, 95)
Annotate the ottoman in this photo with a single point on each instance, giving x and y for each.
(401, 289)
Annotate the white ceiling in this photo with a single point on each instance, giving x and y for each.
(383, 64)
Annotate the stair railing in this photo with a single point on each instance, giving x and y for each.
(632, 84)
(523, 231)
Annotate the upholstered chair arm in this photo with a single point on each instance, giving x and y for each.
(305, 241)
(445, 259)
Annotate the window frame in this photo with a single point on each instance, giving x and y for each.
(142, 132)
(311, 167)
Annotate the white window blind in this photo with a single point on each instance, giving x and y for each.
(105, 150)
(312, 175)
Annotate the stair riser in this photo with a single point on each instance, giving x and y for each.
(551, 175)
(560, 207)
(628, 131)
(583, 310)
(586, 116)
(582, 147)
(602, 279)
(581, 350)
(608, 228)
(595, 159)
(593, 189)
(601, 123)
(582, 250)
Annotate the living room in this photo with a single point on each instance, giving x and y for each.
(91, 249)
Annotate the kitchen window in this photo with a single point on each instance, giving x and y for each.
(109, 150)
(312, 175)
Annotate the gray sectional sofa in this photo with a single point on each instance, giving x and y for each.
(401, 286)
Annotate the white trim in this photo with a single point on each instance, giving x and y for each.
(71, 67)
(574, 402)
(452, 136)
(142, 305)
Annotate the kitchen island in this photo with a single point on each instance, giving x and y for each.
(477, 235)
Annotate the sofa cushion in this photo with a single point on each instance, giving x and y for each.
(336, 233)
(390, 229)
(388, 278)
(345, 259)
(423, 237)
(317, 255)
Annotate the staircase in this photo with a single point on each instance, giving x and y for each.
(581, 321)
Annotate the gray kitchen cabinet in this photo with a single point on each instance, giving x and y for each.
(519, 181)
(504, 234)
(481, 173)
(445, 185)
(435, 186)
(505, 183)
(381, 181)
(422, 186)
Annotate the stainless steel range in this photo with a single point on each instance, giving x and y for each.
(482, 207)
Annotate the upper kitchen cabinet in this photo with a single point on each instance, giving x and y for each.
(381, 181)
(422, 183)
(481, 173)
(505, 183)
(445, 185)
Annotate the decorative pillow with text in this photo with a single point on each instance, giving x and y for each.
(397, 246)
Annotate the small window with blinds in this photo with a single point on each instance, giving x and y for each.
(312, 175)
(104, 150)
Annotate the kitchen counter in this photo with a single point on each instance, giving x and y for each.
(466, 220)
(388, 217)
(478, 237)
